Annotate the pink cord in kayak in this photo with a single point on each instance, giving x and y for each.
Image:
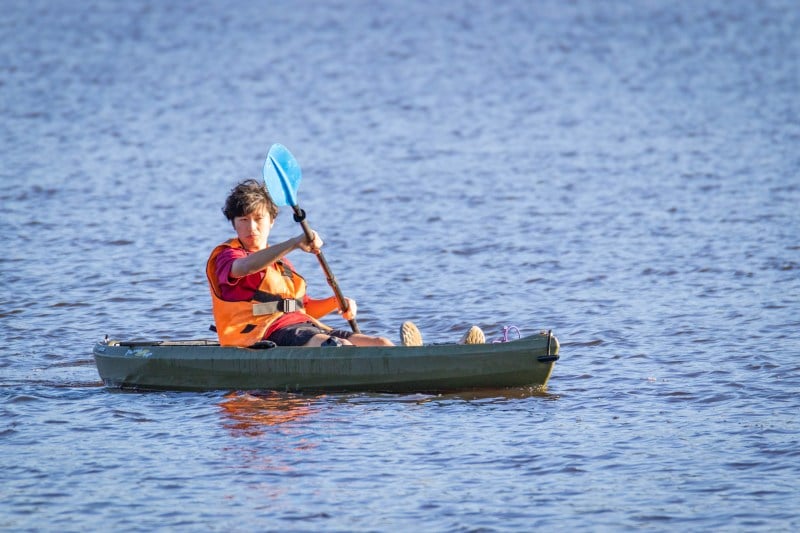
(506, 330)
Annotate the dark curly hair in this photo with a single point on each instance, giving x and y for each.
(248, 197)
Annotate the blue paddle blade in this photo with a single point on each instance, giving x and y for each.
(282, 175)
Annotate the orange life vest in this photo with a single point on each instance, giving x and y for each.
(244, 323)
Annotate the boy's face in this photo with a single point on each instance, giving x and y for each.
(253, 229)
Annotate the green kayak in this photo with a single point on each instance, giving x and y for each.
(205, 365)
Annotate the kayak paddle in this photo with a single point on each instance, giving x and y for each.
(282, 178)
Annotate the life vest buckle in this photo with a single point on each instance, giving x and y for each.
(283, 305)
(287, 305)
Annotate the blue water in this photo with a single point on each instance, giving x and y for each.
(624, 173)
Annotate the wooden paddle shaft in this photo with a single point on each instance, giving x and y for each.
(300, 216)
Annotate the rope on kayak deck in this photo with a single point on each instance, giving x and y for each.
(506, 330)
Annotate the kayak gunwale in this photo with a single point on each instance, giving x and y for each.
(205, 365)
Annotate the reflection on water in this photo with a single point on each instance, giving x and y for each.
(251, 413)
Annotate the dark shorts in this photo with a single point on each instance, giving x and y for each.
(299, 334)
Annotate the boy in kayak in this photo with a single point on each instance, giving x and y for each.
(257, 295)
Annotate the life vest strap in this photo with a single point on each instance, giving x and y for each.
(281, 305)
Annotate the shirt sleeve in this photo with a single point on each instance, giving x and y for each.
(225, 261)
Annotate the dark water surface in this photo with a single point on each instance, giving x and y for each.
(625, 173)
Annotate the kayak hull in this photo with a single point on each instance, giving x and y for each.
(205, 365)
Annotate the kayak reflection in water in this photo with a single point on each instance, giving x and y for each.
(249, 412)
(258, 296)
